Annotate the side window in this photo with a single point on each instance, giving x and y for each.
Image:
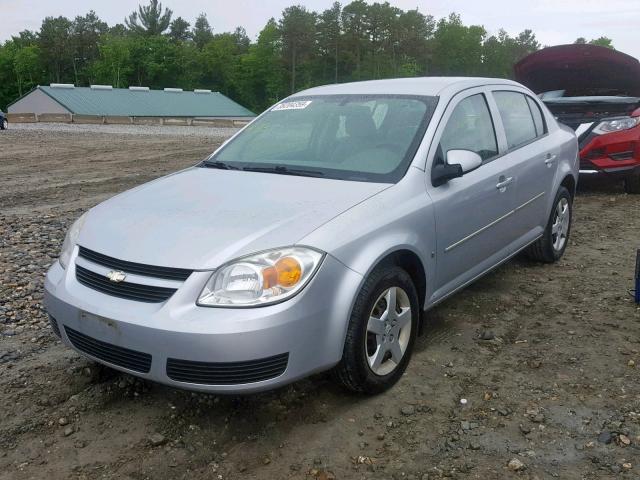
(538, 119)
(470, 127)
(516, 118)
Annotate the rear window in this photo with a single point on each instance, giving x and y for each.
(517, 119)
(538, 119)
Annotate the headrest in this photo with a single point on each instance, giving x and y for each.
(359, 123)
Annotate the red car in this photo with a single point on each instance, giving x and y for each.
(595, 91)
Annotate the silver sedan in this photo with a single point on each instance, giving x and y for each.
(318, 236)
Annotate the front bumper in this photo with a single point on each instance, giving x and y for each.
(615, 171)
(310, 328)
(616, 153)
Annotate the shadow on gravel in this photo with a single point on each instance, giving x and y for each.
(599, 184)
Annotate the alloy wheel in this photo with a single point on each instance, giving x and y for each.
(388, 331)
(560, 225)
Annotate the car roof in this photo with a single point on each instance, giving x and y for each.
(429, 86)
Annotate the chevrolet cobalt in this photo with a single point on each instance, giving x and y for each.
(316, 238)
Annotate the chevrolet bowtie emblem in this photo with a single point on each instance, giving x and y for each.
(116, 276)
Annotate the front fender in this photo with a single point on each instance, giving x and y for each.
(399, 218)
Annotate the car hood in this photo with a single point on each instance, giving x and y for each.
(200, 218)
(580, 70)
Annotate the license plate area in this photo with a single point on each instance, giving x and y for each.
(97, 326)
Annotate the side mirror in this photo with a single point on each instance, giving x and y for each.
(467, 159)
(442, 173)
(458, 163)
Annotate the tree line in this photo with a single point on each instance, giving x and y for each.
(301, 49)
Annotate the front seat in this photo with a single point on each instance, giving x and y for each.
(360, 134)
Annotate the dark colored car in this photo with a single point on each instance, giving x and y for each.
(4, 123)
(595, 91)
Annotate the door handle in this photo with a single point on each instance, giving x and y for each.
(502, 184)
(550, 159)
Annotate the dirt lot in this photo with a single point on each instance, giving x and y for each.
(546, 356)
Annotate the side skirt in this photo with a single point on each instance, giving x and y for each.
(471, 280)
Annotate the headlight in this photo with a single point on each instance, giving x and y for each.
(70, 241)
(616, 125)
(261, 279)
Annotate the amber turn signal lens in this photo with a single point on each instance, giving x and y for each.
(289, 271)
(269, 277)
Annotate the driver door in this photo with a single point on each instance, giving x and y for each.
(474, 213)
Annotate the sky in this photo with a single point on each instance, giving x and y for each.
(553, 21)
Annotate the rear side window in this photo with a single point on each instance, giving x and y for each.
(469, 127)
(516, 118)
(537, 116)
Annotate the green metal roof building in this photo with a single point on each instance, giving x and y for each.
(104, 100)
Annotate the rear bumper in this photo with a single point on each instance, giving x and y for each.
(207, 349)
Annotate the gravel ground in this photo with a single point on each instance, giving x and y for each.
(214, 132)
(544, 355)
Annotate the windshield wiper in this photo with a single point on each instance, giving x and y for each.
(282, 170)
(219, 165)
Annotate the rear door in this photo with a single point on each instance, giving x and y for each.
(474, 213)
(534, 153)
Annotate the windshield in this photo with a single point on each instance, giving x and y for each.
(350, 137)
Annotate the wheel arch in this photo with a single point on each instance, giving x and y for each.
(410, 261)
(569, 183)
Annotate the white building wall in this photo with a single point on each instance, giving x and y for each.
(37, 102)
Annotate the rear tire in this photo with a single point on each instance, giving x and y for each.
(632, 184)
(4, 125)
(380, 336)
(551, 246)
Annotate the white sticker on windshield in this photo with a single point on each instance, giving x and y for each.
(291, 105)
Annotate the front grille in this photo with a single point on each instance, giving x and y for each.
(230, 373)
(54, 326)
(123, 357)
(130, 291)
(137, 268)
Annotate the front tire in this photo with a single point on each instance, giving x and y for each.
(551, 246)
(632, 184)
(381, 332)
(4, 125)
